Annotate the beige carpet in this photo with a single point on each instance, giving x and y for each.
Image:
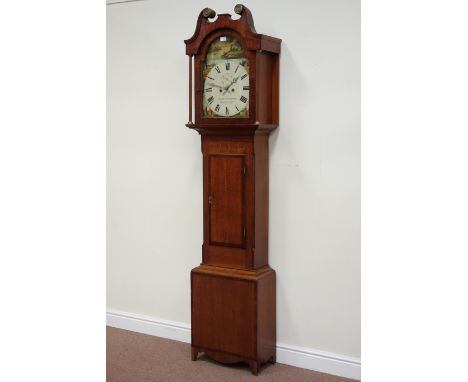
(135, 357)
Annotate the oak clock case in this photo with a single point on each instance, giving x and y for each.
(233, 77)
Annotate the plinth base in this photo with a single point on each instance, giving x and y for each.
(234, 315)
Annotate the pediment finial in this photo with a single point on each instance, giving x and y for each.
(243, 11)
(208, 13)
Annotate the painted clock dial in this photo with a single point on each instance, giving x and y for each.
(227, 89)
(225, 80)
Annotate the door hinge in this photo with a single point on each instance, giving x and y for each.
(210, 199)
(243, 233)
(245, 170)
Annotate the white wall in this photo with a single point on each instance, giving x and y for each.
(154, 176)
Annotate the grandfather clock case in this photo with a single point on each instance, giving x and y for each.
(235, 83)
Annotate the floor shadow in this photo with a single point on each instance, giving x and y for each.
(234, 366)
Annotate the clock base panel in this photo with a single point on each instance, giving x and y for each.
(233, 315)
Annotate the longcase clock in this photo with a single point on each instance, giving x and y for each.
(235, 74)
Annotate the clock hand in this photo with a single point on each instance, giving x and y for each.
(232, 83)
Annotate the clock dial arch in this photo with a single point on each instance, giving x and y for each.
(204, 62)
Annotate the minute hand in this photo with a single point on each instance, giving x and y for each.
(232, 83)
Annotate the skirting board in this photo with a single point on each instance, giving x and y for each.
(325, 362)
